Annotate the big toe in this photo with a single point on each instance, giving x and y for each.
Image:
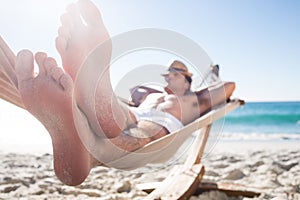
(74, 14)
(89, 12)
(24, 66)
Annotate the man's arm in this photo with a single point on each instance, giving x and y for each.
(213, 96)
(139, 94)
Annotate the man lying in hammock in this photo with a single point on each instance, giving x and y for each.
(49, 96)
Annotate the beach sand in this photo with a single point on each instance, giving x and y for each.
(270, 167)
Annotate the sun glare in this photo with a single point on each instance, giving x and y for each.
(49, 7)
(44, 18)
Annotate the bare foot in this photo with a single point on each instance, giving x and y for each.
(48, 96)
(85, 48)
(81, 31)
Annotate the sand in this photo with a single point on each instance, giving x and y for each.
(268, 167)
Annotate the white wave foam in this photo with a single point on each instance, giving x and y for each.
(259, 136)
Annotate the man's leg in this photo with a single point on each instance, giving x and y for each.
(48, 96)
(85, 49)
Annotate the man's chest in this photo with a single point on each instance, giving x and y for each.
(170, 100)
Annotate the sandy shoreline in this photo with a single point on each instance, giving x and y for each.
(272, 167)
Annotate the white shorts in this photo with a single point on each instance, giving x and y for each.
(164, 119)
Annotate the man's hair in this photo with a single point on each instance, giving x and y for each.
(188, 77)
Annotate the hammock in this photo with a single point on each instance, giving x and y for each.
(183, 179)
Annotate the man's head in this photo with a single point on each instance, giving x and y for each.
(178, 77)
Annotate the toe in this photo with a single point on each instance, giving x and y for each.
(66, 20)
(56, 73)
(40, 59)
(24, 66)
(66, 82)
(61, 44)
(74, 13)
(89, 12)
(49, 64)
(63, 31)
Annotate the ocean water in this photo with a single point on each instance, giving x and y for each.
(263, 121)
(20, 131)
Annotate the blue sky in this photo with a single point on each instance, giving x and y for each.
(256, 42)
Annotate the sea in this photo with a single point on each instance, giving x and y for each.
(255, 121)
(263, 121)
